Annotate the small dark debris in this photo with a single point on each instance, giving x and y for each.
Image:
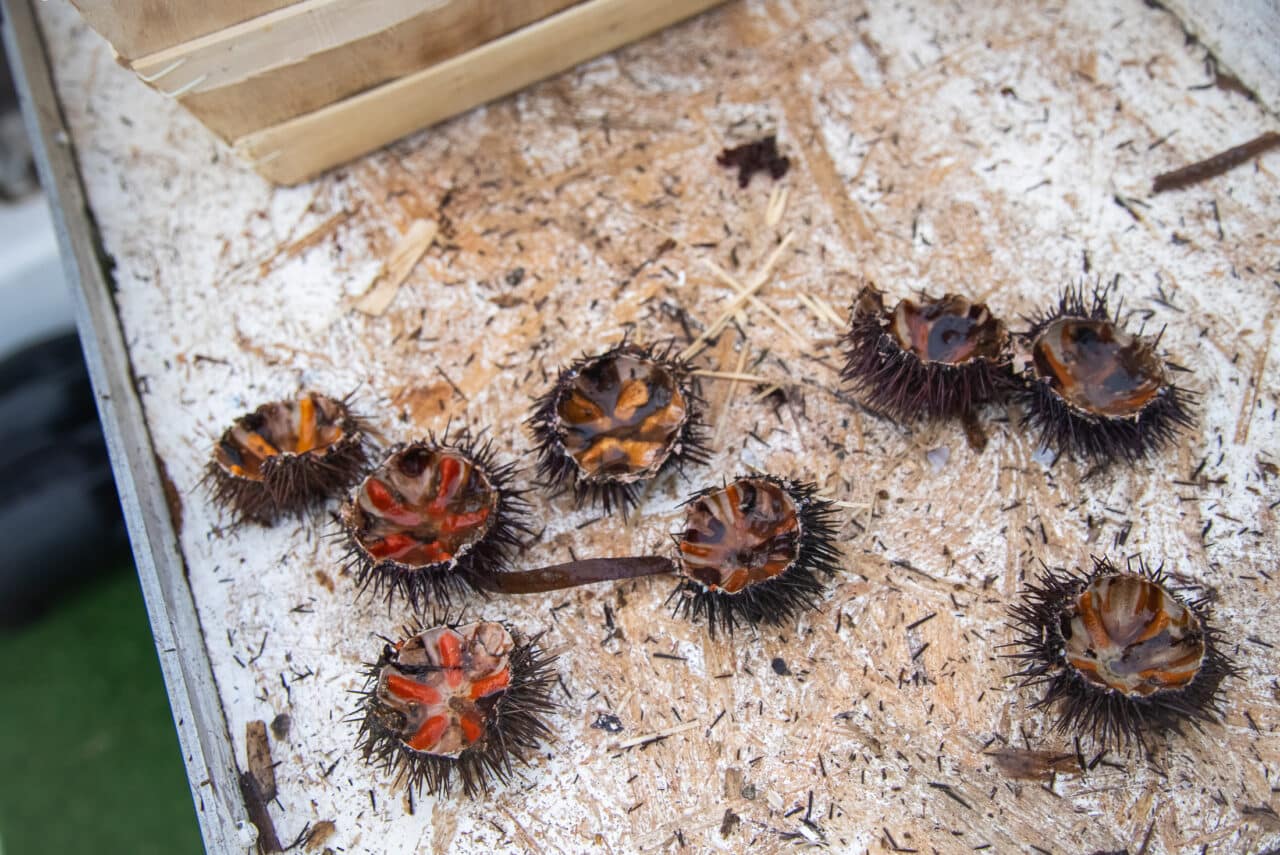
(280, 726)
(780, 667)
(974, 433)
(729, 823)
(759, 156)
(607, 722)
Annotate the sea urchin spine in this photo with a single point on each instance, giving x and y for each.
(751, 551)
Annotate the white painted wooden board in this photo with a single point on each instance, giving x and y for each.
(933, 146)
(1244, 35)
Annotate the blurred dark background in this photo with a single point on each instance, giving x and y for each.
(89, 759)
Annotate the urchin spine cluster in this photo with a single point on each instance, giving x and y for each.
(784, 597)
(556, 467)
(1098, 438)
(897, 383)
(291, 483)
(437, 584)
(1110, 717)
(515, 728)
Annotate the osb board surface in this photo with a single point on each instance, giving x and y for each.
(978, 150)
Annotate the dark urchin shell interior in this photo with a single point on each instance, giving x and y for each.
(1100, 439)
(1109, 717)
(515, 730)
(556, 468)
(897, 383)
(782, 598)
(293, 483)
(437, 584)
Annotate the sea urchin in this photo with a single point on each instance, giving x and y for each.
(286, 456)
(1120, 653)
(937, 358)
(1094, 390)
(455, 700)
(614, 421)
(434, 519)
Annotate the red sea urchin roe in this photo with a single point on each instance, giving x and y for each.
(949, 330)
(741, 535)
(440, 683)
(425, 506)
(1097, 368)
(308, 425)
(621, 416)
(1129, 634)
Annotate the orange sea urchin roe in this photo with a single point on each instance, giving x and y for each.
(620, 417)
(308, 425)
(442, 685)
(1129, 634)
(423, 507)
(950, 330)
(1097, 368)
(741, 535)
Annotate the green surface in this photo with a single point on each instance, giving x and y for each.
(89, 760)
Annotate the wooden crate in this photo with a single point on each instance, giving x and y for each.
(298, 87)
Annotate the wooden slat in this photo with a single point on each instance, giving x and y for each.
(305, 146)
(138, 28)
(308, 56)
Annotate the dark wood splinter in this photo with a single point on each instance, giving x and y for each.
(571, 574)
(1212, 167)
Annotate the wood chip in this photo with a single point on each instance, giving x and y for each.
(1033, 765)
(650, 737)
(777, 206)
(812, 305)
(830, 312)
(736, 376)
(416, 241)
(319, 833)
(312, 238)
(258, 752)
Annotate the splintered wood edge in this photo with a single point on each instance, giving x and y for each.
(301, 148)
(137, 29)
(280, 37)
(296, 33)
